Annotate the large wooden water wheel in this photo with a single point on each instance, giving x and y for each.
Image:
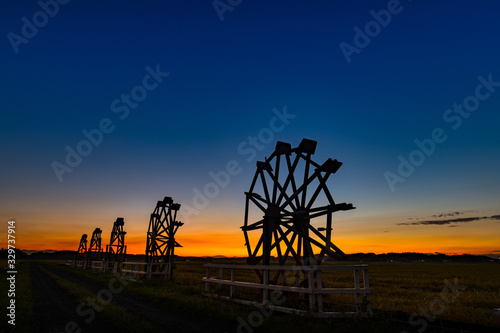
(289, 207)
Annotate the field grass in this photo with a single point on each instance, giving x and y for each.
(403, 294)
(420, 287)
(118, 315)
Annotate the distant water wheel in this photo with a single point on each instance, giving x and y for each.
(290, 206)
(161, 242)
(82, 249)
(94, 252)
(116, 250)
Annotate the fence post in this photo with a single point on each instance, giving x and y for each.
(310, 274)
(356, 286)
(366, 285)
(207, 283)
(166, 271)
(231, 289)
(320, 286)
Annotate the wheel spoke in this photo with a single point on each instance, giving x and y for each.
(317, 233)
(321, 186)
(276, 182)
(278, 247)
(290, 179)
(276, 178)
(254, 200)
(320, 211)
(289, 244)
(325, 188)
(254, 226)
(306, 175)
(290, 248)
(259, 243)
(254, 180)
(264, 186)
(302, 189)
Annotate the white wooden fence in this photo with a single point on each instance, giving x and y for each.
(97, 266)
(138, 270)
(103, 266)
(80, 264)
(315, 290)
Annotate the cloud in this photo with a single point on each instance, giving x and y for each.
(453, 222)
(442, 215)
(448, 214)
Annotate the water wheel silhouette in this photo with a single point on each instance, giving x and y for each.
(161, 242)
(290, 206)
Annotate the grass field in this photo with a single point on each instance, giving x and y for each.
(458, 292)
(405, 296)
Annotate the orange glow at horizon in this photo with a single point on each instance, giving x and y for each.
(231, 243)
(214, 234)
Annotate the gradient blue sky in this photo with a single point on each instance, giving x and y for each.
(225, 79)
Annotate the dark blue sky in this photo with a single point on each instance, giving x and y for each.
(225, 78)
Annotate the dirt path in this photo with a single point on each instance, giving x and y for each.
(163, 318)
(54, 307)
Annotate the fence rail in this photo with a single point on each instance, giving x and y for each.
(97, 265)
(314, 289)
(80, 264)
(138, 270)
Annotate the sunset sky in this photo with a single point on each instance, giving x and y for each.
(405, 94)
